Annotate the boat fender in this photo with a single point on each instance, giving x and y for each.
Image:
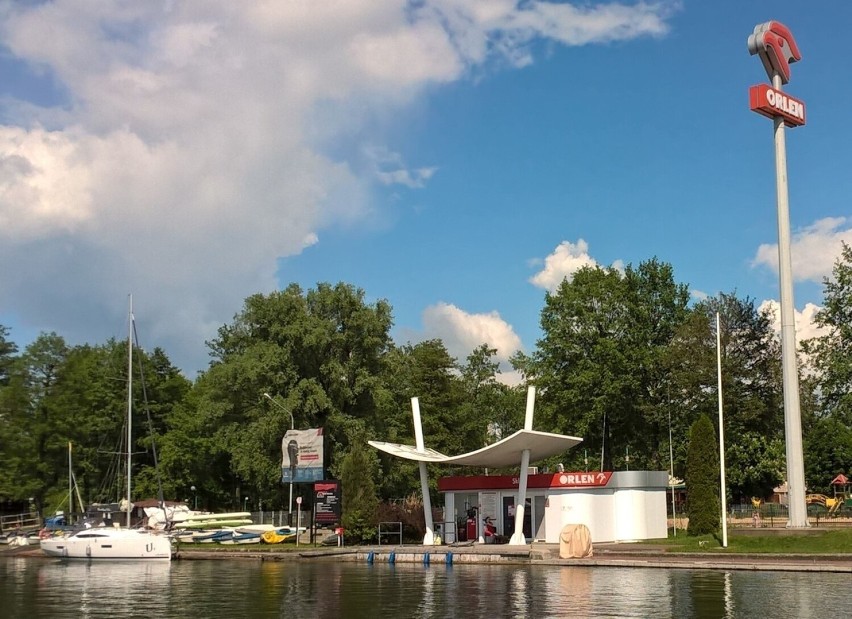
(371, 557)
(392, 557)
(449, 559)
(426, 558)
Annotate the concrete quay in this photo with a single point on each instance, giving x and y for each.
(605, 555)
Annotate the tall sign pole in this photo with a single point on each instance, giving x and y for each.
(773, 42)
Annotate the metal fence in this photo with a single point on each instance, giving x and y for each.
(25, 522)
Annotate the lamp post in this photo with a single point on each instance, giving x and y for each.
(195, 497)
(245, 504)
(292, 427)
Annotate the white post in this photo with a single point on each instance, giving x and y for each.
(797, 507)
(429, 538)
(723, 492)
(298, 523)
(518, 538)
(671, 472)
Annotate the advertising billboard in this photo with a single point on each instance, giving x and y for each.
(302, 456)
(327, 502)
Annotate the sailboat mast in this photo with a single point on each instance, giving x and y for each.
(129, 400)
(70, 487)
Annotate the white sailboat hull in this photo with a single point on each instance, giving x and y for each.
(105, 543)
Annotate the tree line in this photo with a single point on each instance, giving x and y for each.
(625, 360)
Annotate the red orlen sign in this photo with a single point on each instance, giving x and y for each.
(583, 479)
(765, 100)
(511, 482)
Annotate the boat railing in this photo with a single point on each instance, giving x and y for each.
(27, 521)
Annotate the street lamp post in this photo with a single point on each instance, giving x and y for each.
(195, 497)
(292, 427)
(245, 504)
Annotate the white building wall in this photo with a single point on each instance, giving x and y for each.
(631, 507)
(591, 507)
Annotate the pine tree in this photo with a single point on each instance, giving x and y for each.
(360, 501)
(702, 478)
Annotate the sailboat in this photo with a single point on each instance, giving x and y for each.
(116, 542)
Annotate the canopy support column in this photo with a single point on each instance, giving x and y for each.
(429, 538)
(518, 538)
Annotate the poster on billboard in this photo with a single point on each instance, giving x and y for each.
(327, 502)
(302, 451)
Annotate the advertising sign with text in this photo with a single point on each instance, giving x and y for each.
(302, 456)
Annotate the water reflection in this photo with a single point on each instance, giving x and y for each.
(101, 589)
(37, 588)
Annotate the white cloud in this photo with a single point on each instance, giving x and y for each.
(566, 259)
(184, 159)
(390, 169)
(804, 319)
(814, 249)
(462, 332)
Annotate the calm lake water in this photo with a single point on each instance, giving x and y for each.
(236, 589)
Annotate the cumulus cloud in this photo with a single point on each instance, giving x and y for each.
(814, 249)
(804, 319)
(191, 147)
(462, 332)
(566, 259)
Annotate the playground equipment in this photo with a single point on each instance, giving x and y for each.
(832, 505)
(842, 496)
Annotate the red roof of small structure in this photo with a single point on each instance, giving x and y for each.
(840, 480)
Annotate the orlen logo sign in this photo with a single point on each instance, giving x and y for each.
(765, 100)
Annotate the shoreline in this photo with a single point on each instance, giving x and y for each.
(605, 555)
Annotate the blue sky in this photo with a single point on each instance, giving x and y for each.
(455, 157)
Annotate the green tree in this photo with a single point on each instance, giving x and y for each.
(426, 371)
(702, 478)
(59, 395)
(319, 354)
(8, 350)
(30, 414)
(487, 403)
(360, 502)
(828, 452)
(831, 354)
(599, 365)
(751, 384)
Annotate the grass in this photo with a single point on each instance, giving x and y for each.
(823, 542)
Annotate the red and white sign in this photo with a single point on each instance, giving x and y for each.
(583, 479)
(765, 100)
(511, 482)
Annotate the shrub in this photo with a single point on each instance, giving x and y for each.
(702, 478)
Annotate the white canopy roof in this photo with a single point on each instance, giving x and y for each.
(506, 452)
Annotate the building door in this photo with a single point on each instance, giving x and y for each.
(508, 515)
(539, 505)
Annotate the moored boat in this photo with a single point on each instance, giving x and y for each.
(106, 542)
